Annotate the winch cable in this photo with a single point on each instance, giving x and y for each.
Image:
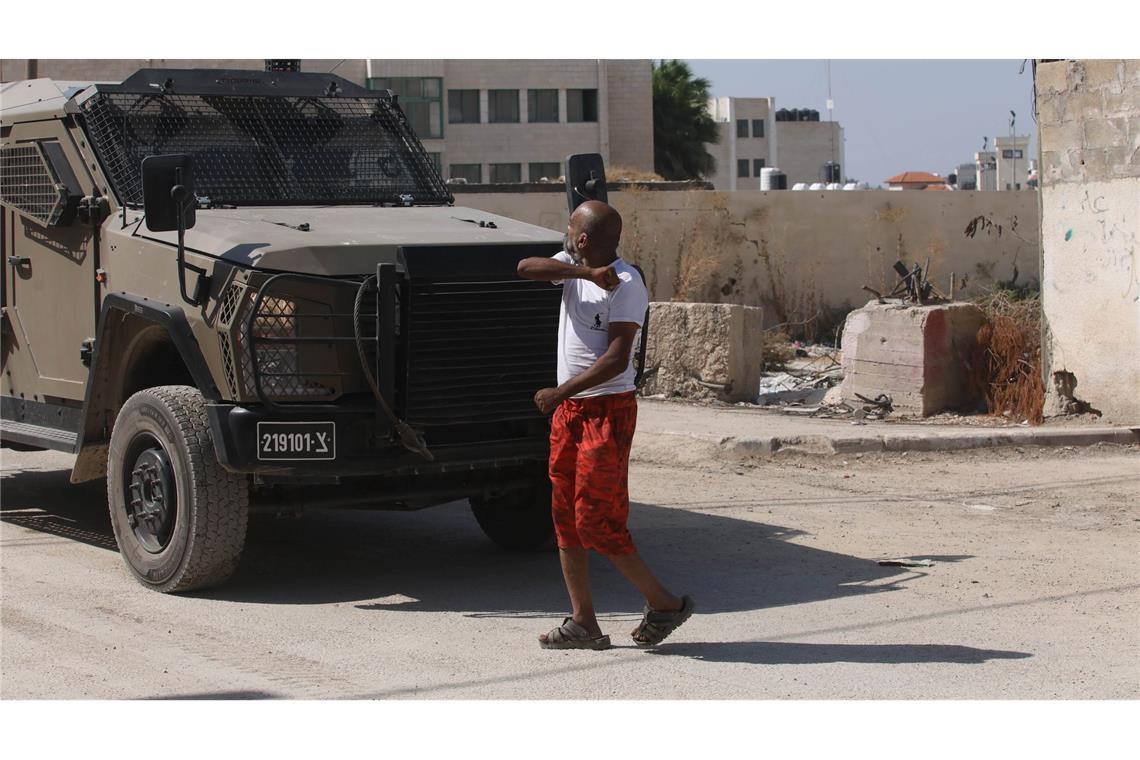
(411, 439)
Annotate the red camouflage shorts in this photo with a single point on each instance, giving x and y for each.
(590, 440)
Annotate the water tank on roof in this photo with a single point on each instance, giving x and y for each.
(800, 186)
(816, 186)
(851, 186)
(782, 114)
(814, 115)
(793, 114)
(834, 186)
(767, 174)
(832, 172)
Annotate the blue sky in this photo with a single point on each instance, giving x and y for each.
(897, 115)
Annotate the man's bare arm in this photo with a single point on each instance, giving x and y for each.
(552, 270)
(608, 366)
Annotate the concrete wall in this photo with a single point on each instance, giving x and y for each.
(795, 253)
(1089, 117)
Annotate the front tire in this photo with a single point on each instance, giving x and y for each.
(520, 521)
(179, 517)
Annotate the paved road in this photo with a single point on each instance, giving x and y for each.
(1034, 591)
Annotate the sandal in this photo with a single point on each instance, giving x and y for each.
(570, 635)
(657, 624)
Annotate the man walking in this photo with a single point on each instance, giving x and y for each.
(595, 411)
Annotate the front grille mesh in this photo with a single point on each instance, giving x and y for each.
(478, 350)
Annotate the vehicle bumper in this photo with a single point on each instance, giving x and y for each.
(364, 446)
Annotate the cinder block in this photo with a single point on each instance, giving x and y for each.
(917, 355)
(1052, 77)
(702, 349)
(1105, 133)
(1103, 74)
(1124, 103)
(1061, 137)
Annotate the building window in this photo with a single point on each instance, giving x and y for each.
(742, 127)
(546, 170)
(504, 173)
(757, 165)
(742, 167)
(421, 99)
(503, 106)
(472, 173)
(757, 127)
(1012, 153)
(462, 106)
(581, 105)
(542, 105)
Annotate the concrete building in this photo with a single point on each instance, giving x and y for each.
(1088, 113)
(807, 146)
(751, 139)
(917, 181)
(966, 177)
(481, 120)
(985, 170)
(1012, 158)
(747, 141)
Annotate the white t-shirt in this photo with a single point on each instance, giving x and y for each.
(584, 324)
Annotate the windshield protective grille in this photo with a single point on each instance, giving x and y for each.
(252, 150)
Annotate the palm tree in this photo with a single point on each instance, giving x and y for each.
(681, 123)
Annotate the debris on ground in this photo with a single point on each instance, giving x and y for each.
(906, 563)
(804, 380)
(913, 286)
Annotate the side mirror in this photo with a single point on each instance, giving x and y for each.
(585, 179)
(169, 204)
(168, 192)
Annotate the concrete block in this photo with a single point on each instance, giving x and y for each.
(1052, 77)
(1125, 103)
(704, 349)
(1060, 137)
(1104, 74)
(1106, 133)
(917, 355)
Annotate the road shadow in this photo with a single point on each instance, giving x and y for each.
(785, 653)
(219, 695)
(47, 502)
(439, 560)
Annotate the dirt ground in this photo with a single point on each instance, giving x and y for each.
(1034, 591)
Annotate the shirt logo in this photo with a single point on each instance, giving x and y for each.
(597, 322)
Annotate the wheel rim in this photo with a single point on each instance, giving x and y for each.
(151, 495)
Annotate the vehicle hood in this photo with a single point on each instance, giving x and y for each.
(342, 240)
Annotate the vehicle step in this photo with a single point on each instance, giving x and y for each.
(38, 435)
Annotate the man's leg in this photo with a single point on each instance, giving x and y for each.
(564, 439)
(576, 571)
(633, 567)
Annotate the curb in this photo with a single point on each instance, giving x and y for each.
(747, 447)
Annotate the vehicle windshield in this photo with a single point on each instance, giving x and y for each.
(254, 149)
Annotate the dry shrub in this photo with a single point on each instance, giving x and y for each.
(629, 174)
(697, 271)
(1007, 362)
(776, 349)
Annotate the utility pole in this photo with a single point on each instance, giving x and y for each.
(1012, 149)
(830, 118)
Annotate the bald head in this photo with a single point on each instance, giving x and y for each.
(595, 229)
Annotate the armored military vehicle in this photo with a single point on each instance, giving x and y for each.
(232, 291)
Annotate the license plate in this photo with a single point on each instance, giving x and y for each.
(296, 440)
